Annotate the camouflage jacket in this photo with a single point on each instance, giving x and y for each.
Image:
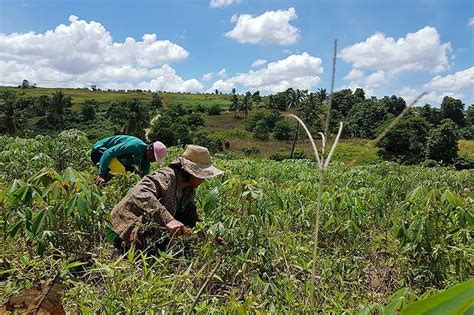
(153, 202)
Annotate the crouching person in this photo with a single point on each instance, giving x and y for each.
(162, 203)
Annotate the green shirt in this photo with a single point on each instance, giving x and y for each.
(130, 151)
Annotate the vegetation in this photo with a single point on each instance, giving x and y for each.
(390, 234)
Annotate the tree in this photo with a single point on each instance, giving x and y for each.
(442, 144)
(394, 105)
(88, 109)
(364, 118)
(294, 101)
(12, 113)
(234, 103)
(59, 106)
(171, 130)
(41, 105)
(321, 96)
(25, 84)
(257, 98)
(453, 109)
(132, 116)
(406, 142)
(156, 102)
(246, 104)
(282, 130)
(261, 131)
(432, 115)
(344, 100)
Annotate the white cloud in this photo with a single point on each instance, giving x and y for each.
(222, 86)
(433, 98)
(421, 50)
(222, 73)
(208, 76)
(222, 3)
(355, 74)
(296, 71)
(257, 63)
(270, 27)
(287, 51)
(471, 22)
(84, 53)
(453, 82)
(168, 80)
(376, 79)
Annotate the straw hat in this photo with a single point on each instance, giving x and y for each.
(196, 160)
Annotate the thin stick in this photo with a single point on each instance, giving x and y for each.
(333, 146)
(203, 287)
(313, 144)
(316, 233)
(328, 117)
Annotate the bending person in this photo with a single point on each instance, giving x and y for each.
(163, 201)
(118, 154)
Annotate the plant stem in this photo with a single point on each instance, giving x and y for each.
(316, 233)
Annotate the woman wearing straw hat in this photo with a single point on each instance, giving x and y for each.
(163, 200)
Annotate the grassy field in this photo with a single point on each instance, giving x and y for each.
(105, 97)
(389, 234)
(352, 151)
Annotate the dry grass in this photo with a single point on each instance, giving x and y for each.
(466, 148)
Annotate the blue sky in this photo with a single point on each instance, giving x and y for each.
(387, 47)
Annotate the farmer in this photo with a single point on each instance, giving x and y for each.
(118, 154)
(163, 201)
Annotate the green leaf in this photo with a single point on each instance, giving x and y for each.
(38, 220)
(456, 300)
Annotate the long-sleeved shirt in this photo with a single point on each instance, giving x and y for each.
(130, 151)
(153, 202)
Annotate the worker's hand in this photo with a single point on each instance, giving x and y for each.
(99, 181)
(176, 228)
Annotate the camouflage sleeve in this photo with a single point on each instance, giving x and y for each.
(147, 195)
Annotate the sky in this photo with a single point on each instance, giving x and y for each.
(401, 47)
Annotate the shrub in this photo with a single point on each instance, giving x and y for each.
(282, 130)
(252, 122)
(214, 110)
(195, 120)
(429, 163)
(251, 151)
(212, 141)
(464, 163)
(406, 141)
(261, 131)
(442, 145)
(88, 109)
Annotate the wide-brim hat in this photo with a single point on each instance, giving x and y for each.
(196, 160)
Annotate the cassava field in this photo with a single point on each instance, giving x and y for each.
(389, 236)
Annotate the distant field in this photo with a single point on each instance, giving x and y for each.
(105, 97)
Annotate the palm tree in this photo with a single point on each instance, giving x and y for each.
(246, 104)
(322, 95)
(296, 97)
(11, 111)
(234, 105)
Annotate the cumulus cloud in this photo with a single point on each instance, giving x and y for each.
(222, 73)
(355, 74)
(434, 98)
(222, 3)
(270, 27)
(208, 76)
(257, 63)
(453, 82)
(296, 71)
(221, 85)
(83, 53)
(422, 50)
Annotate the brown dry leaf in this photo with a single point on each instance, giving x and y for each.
(35, 301)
